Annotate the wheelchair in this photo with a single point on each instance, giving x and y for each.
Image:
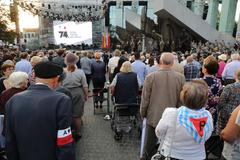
(125, 117)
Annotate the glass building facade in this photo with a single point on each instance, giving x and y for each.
(117, 11)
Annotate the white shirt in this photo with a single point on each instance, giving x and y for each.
(183, 145)
(230, 69)
(184, 62)
(113, 62)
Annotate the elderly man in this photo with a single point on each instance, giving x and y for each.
(195, 62)
(140, 68)
(161, 89)
(86, 66)
(230, 69)
(191, 70)
(113, 62)
(98, 78)
(39, 119)
(176, 65)
(24, 65)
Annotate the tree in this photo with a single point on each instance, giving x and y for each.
(6, 35)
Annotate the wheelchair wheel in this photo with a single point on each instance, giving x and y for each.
(118, 136)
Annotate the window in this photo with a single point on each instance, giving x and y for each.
(124, 22)
(113, 16)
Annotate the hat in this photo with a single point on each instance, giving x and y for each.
(222, 57)
(47, 70)
(71, 59)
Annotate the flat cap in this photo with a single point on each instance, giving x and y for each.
(71, 59)
(47, 70)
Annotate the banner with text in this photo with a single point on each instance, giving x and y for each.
(72, 33)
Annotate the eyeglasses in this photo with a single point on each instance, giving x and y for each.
(11, 69)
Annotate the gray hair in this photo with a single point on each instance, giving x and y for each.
(17, 78)
(235, 56)
(167, 58)
(117, 53)
(9, 62)
(126, 67)
(35, 60)
(84, 53)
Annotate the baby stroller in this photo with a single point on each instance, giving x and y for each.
(125, 117)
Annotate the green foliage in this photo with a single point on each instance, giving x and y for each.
(6, 35)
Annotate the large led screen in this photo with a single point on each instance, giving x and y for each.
(72, 33)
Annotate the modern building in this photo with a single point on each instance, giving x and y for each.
(175, 21)
(171, 19)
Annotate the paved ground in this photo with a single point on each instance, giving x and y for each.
(97, 142)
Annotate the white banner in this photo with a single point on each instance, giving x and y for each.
(72, 33)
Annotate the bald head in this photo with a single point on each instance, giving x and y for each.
(235, 56)
(189, 59)
(167, 58)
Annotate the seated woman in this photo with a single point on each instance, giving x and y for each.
(124, 86)
(183, 131)
(231, 136)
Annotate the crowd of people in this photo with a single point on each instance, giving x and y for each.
(43, 93)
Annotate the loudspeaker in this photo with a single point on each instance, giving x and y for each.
(107, 18)
(189, 4)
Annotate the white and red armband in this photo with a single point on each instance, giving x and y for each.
(64, 136)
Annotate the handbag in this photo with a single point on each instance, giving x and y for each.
(158, 155)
